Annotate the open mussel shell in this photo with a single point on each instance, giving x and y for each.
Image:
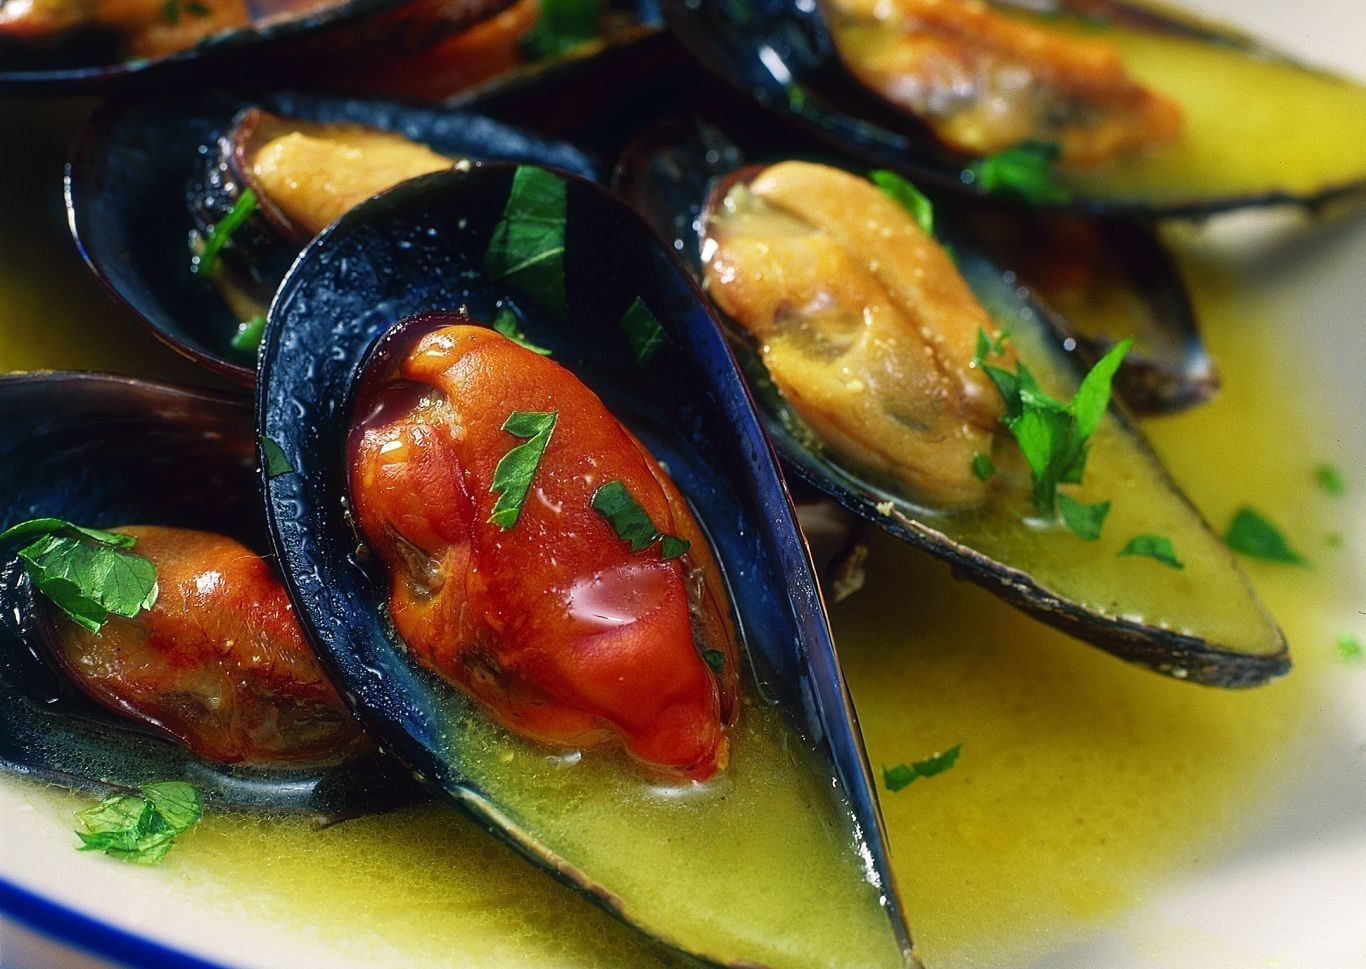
(106, 451)
(679, 171)
(1259, 129)
(733, 870)
(140, 169)
(91, 58)
(1108, 279)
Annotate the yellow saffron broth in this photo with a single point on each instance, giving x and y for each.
(1083, 786)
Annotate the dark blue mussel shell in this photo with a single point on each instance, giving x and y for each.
(780, 54)
(104, 451)
(673, 171)
(419, 248)
(135, 165)
(89, 60)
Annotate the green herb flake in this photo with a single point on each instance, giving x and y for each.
(1330, 479)
(982, 466)
(527, 247)
(1350, 648)
(628, 519)
(988, 346)
(512, 477)
(87, 573)
(1249, 533)
(1157, 547)
(273, 457)
(219, 235)
(899, 777)
(170, 12)
(198, 9)
(715, 659)
(141, 829)
(910, 198)
(249, 333)
(1055, 437)
(1024, 172)
(643, 331)
(508, 325)
(1085, 521)
(562, 26)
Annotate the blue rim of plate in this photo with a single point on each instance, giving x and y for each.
(57, 922)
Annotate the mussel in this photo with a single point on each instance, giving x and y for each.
(109, 710)
(146, 178)
(834, 391)
(779, 857)
(1120, 107)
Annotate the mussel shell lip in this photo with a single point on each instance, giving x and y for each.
(212, 50)
(716, 34)
(304, 401)
(1164, 650)
(109, 450)
(130, 167)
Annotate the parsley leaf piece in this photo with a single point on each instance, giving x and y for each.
(507, 324)
(1350, 648)
(222, 232)
(982, 466)
(628, 519)
(988, 346)
(87, 573)
(1055, 437)
(910, 198)
(562, 26)
(898, 777)
(1251, 534)
(512, 477)
(715, 659)
(1085, 521)
(247, 339)
(273, 455)
(527, 247)
(1024, 172)
(170, 12)
(643, 331)
(1330, 479)
(141, 829)
(1154, 547)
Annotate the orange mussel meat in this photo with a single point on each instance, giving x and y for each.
(555, 625)
(219, 663)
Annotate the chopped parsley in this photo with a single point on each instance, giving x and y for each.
(273, 459)
(1249, 533)
(508, 325)
(898, 777)
(527, 246)
(1054, 437)
(170, 10)
(562, 26)
(1330, 479)
(715, 659)
(982, 466)
(616, 504)
(907, 196)
(1157, 547)
(248, 336)
(1024, 172)
(643, 331)
(87, 573)
(512, 477)
(1085, 521)
(141, 829)
(1350, 648)
(219, 235)
(988, 346)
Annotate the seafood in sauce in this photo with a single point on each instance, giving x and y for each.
(570, 635)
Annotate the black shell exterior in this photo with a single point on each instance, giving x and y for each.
(134, 163)
(104, 451)
(419, 248)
